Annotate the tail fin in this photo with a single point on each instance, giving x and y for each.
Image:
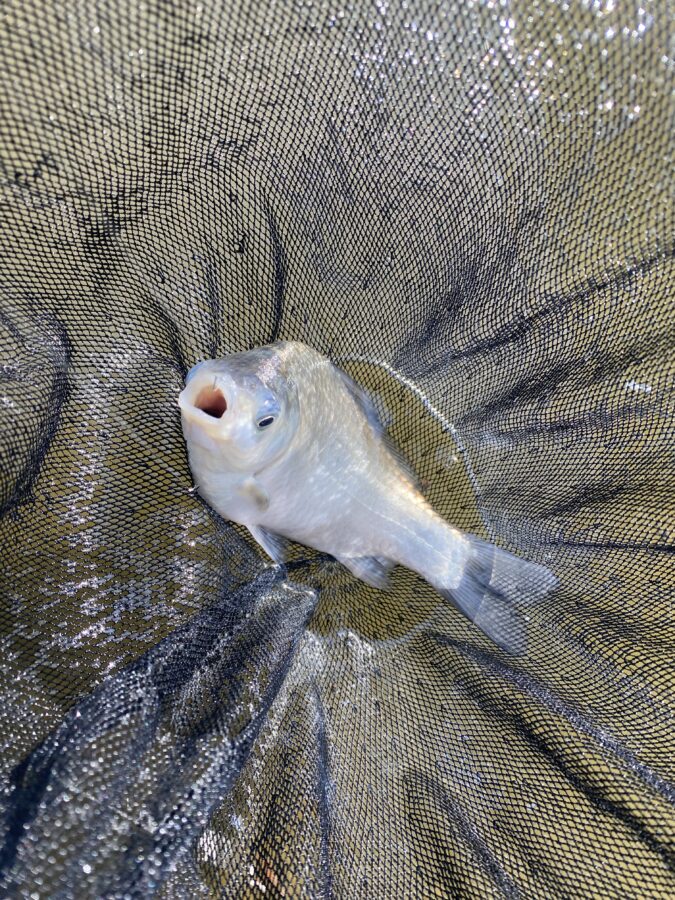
(494, 583)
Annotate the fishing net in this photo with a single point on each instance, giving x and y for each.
(466, 206)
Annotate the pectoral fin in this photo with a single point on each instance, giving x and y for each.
(256, 493)
(371, 569)
(273, 544)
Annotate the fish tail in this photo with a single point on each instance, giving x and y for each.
(494, 584)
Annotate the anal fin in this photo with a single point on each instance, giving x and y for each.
(374, 570)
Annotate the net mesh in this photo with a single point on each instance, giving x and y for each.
(467, 206)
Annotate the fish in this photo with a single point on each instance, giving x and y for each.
(282, 441)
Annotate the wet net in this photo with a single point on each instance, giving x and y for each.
(468, 207)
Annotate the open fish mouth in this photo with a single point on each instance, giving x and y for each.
(211, 401)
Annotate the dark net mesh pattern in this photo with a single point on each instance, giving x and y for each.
(468, 207)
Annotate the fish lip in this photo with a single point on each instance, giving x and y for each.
(189, 397)
(193, 371)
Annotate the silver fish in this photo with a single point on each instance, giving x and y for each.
(282, 441)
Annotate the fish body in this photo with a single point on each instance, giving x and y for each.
(283, 442)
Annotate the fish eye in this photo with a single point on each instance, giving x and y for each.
(265, 422)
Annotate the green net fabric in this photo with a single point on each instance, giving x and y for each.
(467, 206)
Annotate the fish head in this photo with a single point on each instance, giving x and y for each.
(242, 408)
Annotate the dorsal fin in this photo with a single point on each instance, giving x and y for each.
(368, 409)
